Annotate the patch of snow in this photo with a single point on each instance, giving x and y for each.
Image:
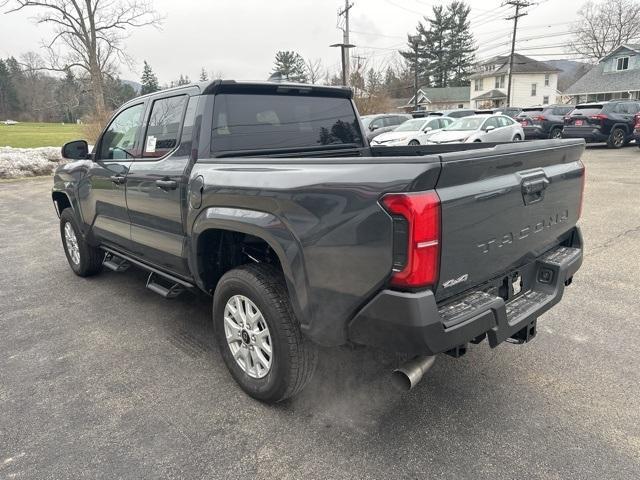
(29, 162)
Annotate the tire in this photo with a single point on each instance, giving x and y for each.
(414, 143)
(517, 138)
(292, 358)
(617, 138)
(84, 259)
(555, 133)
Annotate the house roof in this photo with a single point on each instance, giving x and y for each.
(521, 64)
(597, 81)
(635, 47)
(442, 94)
(491, 95)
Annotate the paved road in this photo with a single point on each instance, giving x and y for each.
(101, 378)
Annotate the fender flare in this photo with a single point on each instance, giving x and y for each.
(267, 227)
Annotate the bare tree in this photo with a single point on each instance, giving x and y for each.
(603, 26)
(89, 34)
(314, 70)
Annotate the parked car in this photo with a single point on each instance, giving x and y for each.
(545, 121)
(480, 128)
(457, 113)
(512, 112)
(611, 122)
(636, 129)
(10, 122)
(376, 124)
(412, 132)
(267, 197)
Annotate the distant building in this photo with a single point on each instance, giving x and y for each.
(532, 82)
(617, 75)
(440, 98)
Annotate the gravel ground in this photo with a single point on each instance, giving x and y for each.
(101, 378)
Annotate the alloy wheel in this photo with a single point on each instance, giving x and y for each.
(71, 242)
(248, 337)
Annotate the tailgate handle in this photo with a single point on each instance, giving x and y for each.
(530, 187)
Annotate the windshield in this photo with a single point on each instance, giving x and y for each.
(411, 125)
(466, 123)
(366, 121)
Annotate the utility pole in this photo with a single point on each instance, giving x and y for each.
(344, 51)
(345, 39)
(518, 4)
(415, 40)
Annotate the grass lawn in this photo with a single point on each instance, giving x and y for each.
(29, 135)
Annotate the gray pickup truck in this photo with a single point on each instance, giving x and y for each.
(268, 197)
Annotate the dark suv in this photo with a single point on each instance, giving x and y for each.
(377, 124)
(611, 122)
(543, 122)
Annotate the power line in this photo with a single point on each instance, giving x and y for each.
(518, 4)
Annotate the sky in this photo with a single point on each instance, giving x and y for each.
(239, 38)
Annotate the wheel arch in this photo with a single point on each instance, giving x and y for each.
(213, 223)
(61, 201)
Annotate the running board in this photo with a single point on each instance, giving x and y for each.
(115, 263)
(163, 286)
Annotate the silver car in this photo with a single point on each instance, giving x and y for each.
(479, 128)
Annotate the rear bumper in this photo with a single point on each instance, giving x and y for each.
(589, 134)
(535, 131)
(413, 323)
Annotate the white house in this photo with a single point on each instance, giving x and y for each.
(440, 98)
(617, 75)
(532, 82)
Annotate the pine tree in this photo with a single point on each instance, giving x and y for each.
(461, 47)
(290, 65)
(204, 76)
(8, 95)
(149, 80)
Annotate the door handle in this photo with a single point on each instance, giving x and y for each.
(118, 179)
(167, 184)
(534, 186)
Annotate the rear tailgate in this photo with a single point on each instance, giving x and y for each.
(503, 207)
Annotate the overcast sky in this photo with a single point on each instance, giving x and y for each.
(240, 37)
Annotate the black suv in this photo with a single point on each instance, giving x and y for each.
(543, 122)
(611, 122)
(512, 112)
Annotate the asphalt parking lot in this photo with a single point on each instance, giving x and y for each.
(101, 378)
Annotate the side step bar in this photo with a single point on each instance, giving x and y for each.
(164, 284)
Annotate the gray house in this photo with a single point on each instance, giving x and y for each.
(617, 75)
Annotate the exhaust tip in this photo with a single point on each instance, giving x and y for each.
(401, 381)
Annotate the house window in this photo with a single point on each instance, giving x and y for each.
(477, 85)
(622, 63)
(545, 100)
(546, 79)
(534, 88)
(460, 105)
(500, 81)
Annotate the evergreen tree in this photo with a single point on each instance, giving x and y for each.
(204, 76)
(148, 80)
(461, 47)
(445, 46)
(8, 96)
(291, 66)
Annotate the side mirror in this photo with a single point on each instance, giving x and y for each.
(428, 129)
(489, 128)
(372, 127)
(76, 150)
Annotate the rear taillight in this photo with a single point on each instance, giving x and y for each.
(599, 116)
(421, 250)
(539, 118)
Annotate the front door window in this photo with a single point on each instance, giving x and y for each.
(120, 140)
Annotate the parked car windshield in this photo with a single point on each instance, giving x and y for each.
(411, 125)
(274, 122)
(466, 123)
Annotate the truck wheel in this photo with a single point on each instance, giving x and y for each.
(556, 133)
(84, 259)
(258, 334)
(617, 138)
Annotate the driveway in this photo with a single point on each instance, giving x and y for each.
(101, 378)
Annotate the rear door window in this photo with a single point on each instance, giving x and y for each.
(273, 122)
(164, 126)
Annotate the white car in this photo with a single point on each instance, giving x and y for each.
(480, 128)
(412, 132)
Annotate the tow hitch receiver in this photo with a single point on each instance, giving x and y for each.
(524, 335)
